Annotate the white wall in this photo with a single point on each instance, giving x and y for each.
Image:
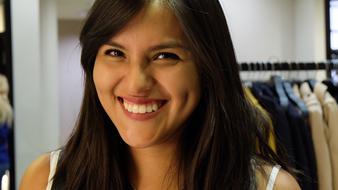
(309, 29)
(35, 83)
(260, 29)
(70, 76)
(49, 76)
(277, 30)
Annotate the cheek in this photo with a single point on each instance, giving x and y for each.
(187, 95)
(105, 81)
(100, 77)
(104, 77)
(186, 82)
(185, 98)
(183, 86)
(100, 85)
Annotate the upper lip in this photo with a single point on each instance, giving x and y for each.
(140, 100)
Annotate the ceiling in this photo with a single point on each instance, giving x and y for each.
(73, 9)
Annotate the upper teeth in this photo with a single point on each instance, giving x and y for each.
(140, 108)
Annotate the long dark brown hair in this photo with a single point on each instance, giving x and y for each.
(219, 140)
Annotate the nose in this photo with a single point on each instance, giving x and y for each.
(140, 80)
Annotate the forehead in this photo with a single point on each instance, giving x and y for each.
(154, 22)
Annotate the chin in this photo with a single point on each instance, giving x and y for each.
(138, 142)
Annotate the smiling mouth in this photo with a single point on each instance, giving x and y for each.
(142, 108)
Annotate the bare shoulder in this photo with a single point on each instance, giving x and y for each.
(36, 175)
(284, 180)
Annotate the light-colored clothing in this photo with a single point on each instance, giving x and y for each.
(318, 132)
(330, 109)
(273, 176)
(54, 157)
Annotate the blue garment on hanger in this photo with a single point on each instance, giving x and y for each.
(4, 155)
(4, 131)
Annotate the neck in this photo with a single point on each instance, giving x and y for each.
(154, 167)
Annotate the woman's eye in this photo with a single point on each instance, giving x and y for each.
(167, 56)
(114, 53)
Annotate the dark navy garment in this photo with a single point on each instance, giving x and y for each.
(4, 131)
(4, 155)
(269, 101)
(303, 144)
(292, 132)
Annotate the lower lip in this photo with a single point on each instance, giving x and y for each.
(141, 116)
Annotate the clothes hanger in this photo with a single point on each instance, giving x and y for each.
(247, 68)
(311, 81)
(289, 91)
(294, 99)
(278, 85)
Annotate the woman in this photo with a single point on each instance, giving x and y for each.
(163, 107)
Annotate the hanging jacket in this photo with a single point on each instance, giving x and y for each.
(318, 128)
(330, 110)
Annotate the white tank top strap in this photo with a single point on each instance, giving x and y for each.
(273, 176)
(54, 157)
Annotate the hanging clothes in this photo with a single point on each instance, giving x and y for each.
(332, 89)
(330, 110)
(292, 132)
(303, 144)
(6, 118)
(318, 128)
(4, 157)
(267, 99)
(309, 131)
(254, 101)
(6, 110)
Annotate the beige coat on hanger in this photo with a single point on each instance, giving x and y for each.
(330, 109)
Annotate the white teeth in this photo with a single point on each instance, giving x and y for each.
(129, 107)
(149, 108)
(140, 108)
(135, 109)
(155, 107)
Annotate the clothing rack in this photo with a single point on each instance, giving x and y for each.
(289, 66)
(328, 69)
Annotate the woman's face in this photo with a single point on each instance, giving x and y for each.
(146, 79)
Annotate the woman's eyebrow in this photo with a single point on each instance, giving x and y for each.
(114, 44)
(169, 45)
(164, 45)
